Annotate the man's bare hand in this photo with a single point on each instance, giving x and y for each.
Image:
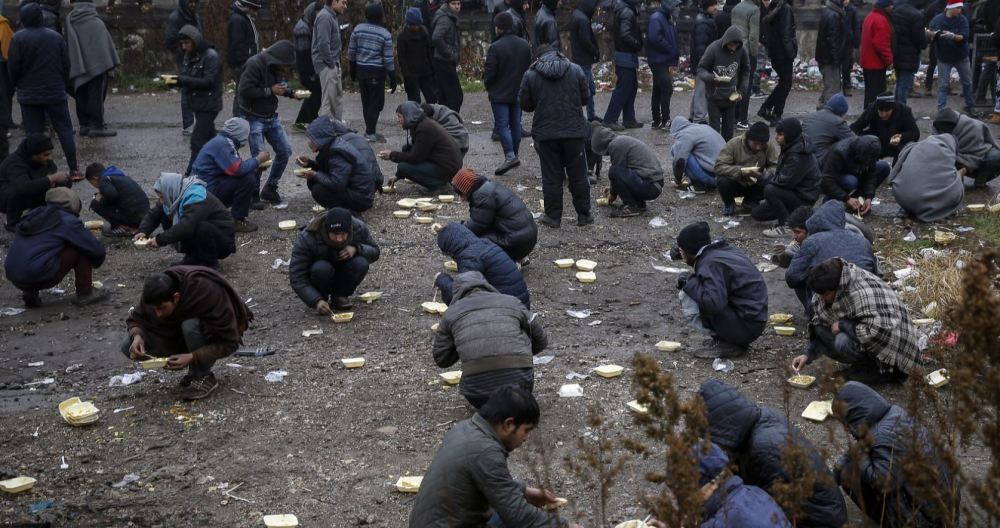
(323, 308)
(137, 350)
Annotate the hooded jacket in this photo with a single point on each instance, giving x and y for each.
(583, 42)
(975, 139)
(259, 75)
(201, 75)
(244, 41)
(797, 169)
(191, 212)
(856, 156)
(121, 192)
(555, 89)
(33, 258)
(89, 45)
(754, 437)
(730, 293)
(186, 14)
(924, 179)
(626, 33)
(472, 253)
(38, 61)
(516, 12)
(828, 238)
(889, 498)
(490, 333)
(736, 154)
(778, 32)
(451, 121)
(499, 215)
(302, 35)
(220, 159)
(628, 151)
(326, 45)
(429, 141)
(342, 169)
(876, 41)
(445, 36)
(718, 61)
(546, 27)
(704, 33)
(910, 36)
(506, 61)
(694, 139)
(900, 122)
(323, 130)
(661, 36)
(825, 129)
(833, 37)
(312, 246)
(746, 17)
(414, 50)
(23, 183)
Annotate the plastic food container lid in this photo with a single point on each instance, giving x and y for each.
(637, 407)
(352, 363)
(409, 484)
(609, 371)
(801, 381)
(451, 377)
(586, 276)
(668, 346)
(281, 521)
(585, 265)
(564, 263)
(17, 484)
(785, 330)
(287, 225)
(345, 317)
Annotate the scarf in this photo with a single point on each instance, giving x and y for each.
(179, 192)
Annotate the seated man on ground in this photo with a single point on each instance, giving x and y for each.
(725, 297)
(119, 199)
(497, 214)
(492, 334)
(472, 253)
(191, 315)
(754, 437)
(363, 146)
(695, 150)
(635, 174)
(877, 482)
(192, 218)
(826, 126)
(853, 171)
(891, 122)
(431, 157)
(978, 150)
(469, 483)
(340, 175)
(925, 181)
(740, 165)
(52, 241)
(26, 175)
(232, 180)
(794, 182)
(859, 320)
(329, 260)
(452, 123)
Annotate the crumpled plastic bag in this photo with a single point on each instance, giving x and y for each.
(657, 222)
(126, 480)
(579, 314)
(126, 379)
(275, 376)
(10, 312)
(542, 360)
(722, 365)
(571, 390)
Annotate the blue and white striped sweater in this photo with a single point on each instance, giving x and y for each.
(370, 48)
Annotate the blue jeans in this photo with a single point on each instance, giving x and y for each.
(507, 118)
(697, 174)
(588, 72)
(235, 192)
(271, 130)
(944, 75)
(623, 97)
(904, 83)
(850, 183)
(632, 189)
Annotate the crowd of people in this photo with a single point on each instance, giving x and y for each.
(809, 182)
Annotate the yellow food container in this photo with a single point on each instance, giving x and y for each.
(586, 277)
(409, 484)
(303, 94)
(301, 172)
(281, 521)
(318, 209)
(564, 263)
(668, 346)
(96, 285)
(995, 208)
(632, 524)
(602, 201)
(451, 265)
(435, 326)
(451, 377)
(77, 412)
(401, 214)
(353, 363)
(434, 307)
(370, 297)
(556, 504)
(779, 318)
(142, 242)
(386, 189)
(784, 330)
(976, 208)
(407, 203)
(938, 378)
(94, 225)
(446, 198)
(609, 371)
(345, 317)
(818, 411)
(287, 225)
(155, 363)
(637, 407)
(801, 381)
(423, 220)
(426, 206)
(265, 164)
(944, 237)
(17, 484)
(585, 265)
(924, 321)
(738, 200)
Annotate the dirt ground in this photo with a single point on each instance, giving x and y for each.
(327, 443)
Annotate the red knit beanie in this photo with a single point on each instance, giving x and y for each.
(464, 180)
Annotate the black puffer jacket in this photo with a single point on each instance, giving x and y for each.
(555, 89)
(754, 437)
(311, 246)
(38, 61)
(201, 75)
(546, 27)
(243, 39)
(901, 122)
(414, 50)
(506, 61)
(703, 34)
(833, 36)
(499, 215)
(472, 253)
(797, 169)
(777, 29)
(909, 38)
(582, 40)
(856, 156)
(887, 493)
(256, 97)
(23, 183)
(626, 31)
(186, 14)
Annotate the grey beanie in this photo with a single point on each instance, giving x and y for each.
(238, 129)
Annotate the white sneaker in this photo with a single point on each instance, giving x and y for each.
(777, 232)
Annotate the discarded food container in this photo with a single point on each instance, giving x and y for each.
(541, 204)
(637, 407)
(779, 318)
(301, 172)
(142, 242)
(995, 208)
(609, 371)
(451, 265)
(370, 297)
(77, 412)
(585, 265)
(303, 94)
(265, 164)
(155, 363)
(17, 484)
(924, 321)
(409, 484)
(426, 206)
(401, 214)
(976, 208)
(586, 277)
(668, 346)
(938, 378)
(407, 203)
(311, 332)
(281, 521)
(318, 208)
(784, 330)
(96, 284)
(944, 237)
(446, 198)
(556, 504)
(287, 225)
(434, 307)
(451, 377)
(818, 411)
(801, 381)
(423, 219)
(94, 224)
(571, 390)
(388, 189)
(345, 317)
(632, 524)
(738, 200)
(435, 326)
(602, 201)
(353, 363)
(564, 263)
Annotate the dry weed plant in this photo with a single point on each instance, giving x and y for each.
(598, 467)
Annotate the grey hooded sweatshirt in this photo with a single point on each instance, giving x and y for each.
(719, 61)
(627, 151)
(695, 139)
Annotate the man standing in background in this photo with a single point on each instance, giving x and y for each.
(447, 50)
(244, 42)
(831, 44)
(746, 16)
(908, 42)
(876, 49)
(186, 14)
(92, 55)
(950, 32)
(583, 44)
(326, 48)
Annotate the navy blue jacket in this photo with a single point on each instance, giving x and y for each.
(737, 504)
(42, 234)
(472, 253)
(754, 437)
(38, 61)
(121, 192)
(948, 50)
(499, 215)
(725, 278)
(829, 238)
(220, 158)
(342, 169)
(661, 38)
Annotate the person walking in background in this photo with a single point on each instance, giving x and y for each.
(907, 46)
(628, 43)
(663, 55)
(831, 41)
(950, 36)
(369, 55)
(778, 28)
(302, 35)
(546, 27)
(186, 14)
(200, 82)
(852, 23)
(447, 51)
(326, 49)
(506, 61)
(244, 42)
(92, 56)
(704, 33)
(584, 47)
(876, 49)
(746, 17)
(414, 49)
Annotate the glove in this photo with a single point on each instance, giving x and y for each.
(682, 280)
(392, 81)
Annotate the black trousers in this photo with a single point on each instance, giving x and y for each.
(116, 216)
(207, 246)
(90, 102)
(414, 86)
(449, 88)
(743, 107)
(777, 205)
(563, 159)
(191, 339)
(346, 199)
(237, 73)
(309, 110)
(846, 70)
(874, 85)
(931, 70)
(722, 117)
(663, 89)
(204, 131)
(775, 103)
(729, 189)
(6, 102)
(372, 99)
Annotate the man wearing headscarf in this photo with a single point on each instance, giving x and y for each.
(330, 259)
(431, 157)
(190, 217)
(244, 41)
(186, 14)
(92, 55)
(26, 175)
(231, 179)
(341, 175)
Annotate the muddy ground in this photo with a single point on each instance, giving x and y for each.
(327, 443)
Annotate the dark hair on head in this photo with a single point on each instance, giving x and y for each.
(797, 220)
(825, 277)
(511, 401)
(159, 288)
(94, 170)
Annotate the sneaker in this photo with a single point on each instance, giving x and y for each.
(120, 231)
(698, 188)
(102, 133)
(584, 220)
(507, 165)
(270, 194)
(625, 211)
(31, 300)
(758, 95)
(342, 303)
(245, 226)
(971, 112)
(524, 262)
(728, 210)
(186, 380)
(300, 127)
(634, 124)
(380, 137)
(764, 114)
(713, 348)
(742, 125)
(548, 221)
(591, 177)
(371, 138)
(188, 131)
(778, 232)
(86, 300)
(655, 124)
(612, 125)
(202, 388)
